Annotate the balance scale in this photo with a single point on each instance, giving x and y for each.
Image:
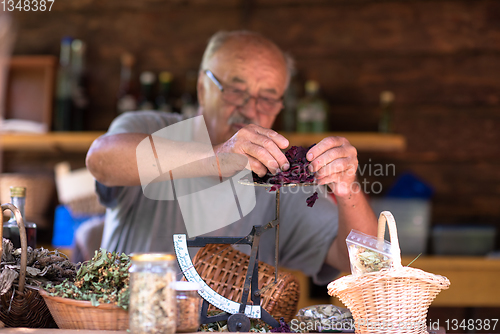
(237, 314)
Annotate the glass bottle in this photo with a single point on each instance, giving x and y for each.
(126, 99)
(79, 95)
(163, 100)
(153, 307)
(189, 100)
(290, 101)
(146, 101)
(386, 122)
(312, 110)
(10, 228)
(62, 119)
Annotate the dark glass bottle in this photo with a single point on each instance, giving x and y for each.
(127, 100)
(146, 101)
(10, 228)
(163, 99)
(79, 95)
(62, 115)
(386, 121)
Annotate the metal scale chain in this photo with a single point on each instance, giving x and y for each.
(237, 320)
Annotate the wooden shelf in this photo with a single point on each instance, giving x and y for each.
(80, 141)
(50, 142)
(363, 141)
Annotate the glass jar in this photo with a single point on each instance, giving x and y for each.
(152, 307)
(188, 306)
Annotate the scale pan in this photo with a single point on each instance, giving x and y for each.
(255, 184)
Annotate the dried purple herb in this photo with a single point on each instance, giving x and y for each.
(297, 173)
(312, 199)
(282, 328)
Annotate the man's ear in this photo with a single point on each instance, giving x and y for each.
(200, 88)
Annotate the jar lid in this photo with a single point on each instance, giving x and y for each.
(145, 257)
(185, 286)
(17, 191)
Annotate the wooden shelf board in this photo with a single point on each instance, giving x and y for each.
(81, 141)
(50, 142)
(363, 141)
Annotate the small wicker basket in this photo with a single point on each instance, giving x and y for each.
(392, 300)
(24, 307)
(224, 268)
(78, 314)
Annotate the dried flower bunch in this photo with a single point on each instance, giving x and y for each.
(367, 261)
(103, 279)
(43, 266)
(297, 173)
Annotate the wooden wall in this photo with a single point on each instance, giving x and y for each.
(441, 58)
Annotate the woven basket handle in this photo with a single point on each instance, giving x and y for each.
(24, 243)
(386, 216)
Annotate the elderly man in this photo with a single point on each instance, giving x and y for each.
(241, 83)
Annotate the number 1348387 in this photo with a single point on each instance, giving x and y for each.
(27, 5)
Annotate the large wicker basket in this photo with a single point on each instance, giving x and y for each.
(78, 314)
(224, 268)
(392, 300)
(24, 307)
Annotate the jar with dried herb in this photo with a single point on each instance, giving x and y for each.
(188, 306)
(152, 308)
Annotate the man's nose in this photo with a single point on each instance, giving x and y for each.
(249, 109)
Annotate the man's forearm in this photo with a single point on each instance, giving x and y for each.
(354, 213)
(126, 159)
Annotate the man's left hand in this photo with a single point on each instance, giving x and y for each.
(335, 161)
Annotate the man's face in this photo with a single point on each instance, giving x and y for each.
(248, 68)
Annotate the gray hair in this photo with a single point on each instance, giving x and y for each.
(220, 38)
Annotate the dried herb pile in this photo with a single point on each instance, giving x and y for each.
(103, 279)
(297, 173)
(43, 266)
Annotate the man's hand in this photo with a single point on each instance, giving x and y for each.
(262, 147)
(335, 161)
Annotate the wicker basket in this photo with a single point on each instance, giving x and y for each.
(392, 300)
(78, 314)
(224, 268)
(26, 308)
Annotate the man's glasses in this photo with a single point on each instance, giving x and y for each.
(239, 98)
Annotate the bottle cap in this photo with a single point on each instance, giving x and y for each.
(185, 286)
(17, 192)
(387, 96)
(166, 76)
(146, 257)
(312, 86)
(147, 78)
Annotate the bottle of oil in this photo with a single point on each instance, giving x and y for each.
(10, 228)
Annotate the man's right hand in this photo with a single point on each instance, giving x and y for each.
(262, 147)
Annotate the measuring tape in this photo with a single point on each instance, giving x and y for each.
(189, 271)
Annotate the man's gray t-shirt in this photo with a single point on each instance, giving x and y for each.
(135, 223)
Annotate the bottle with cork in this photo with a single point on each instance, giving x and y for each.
(10, 228)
